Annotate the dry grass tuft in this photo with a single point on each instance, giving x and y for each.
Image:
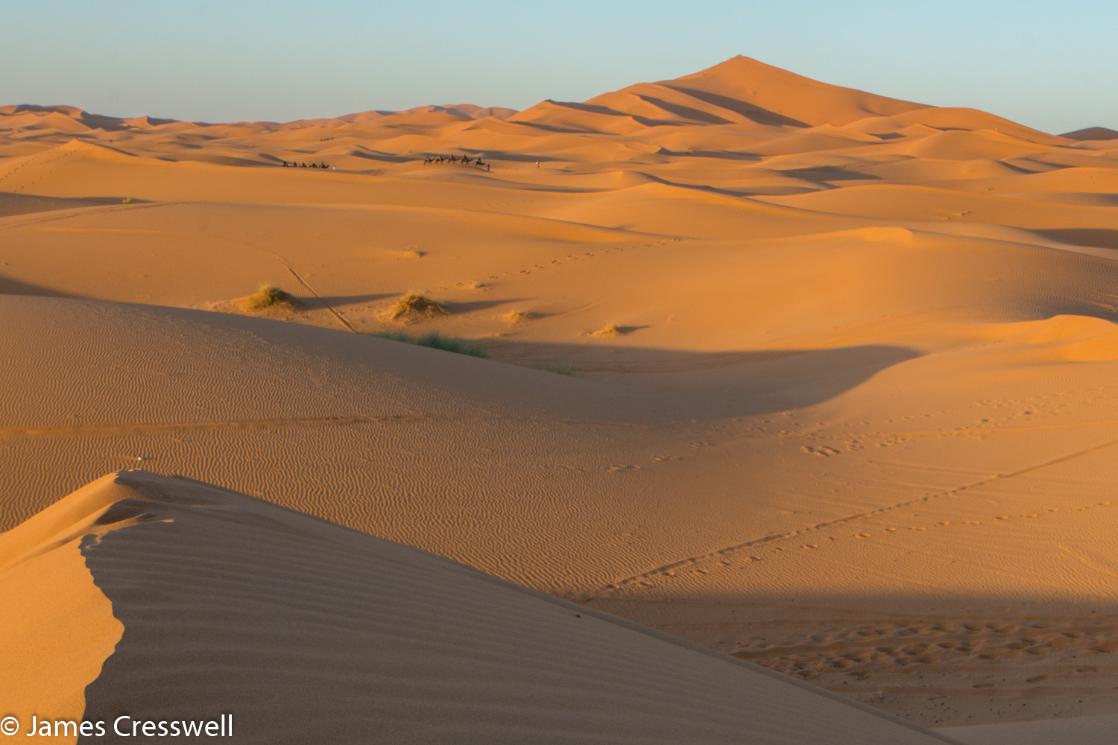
(269, 297)
(413, 307)
(437, 341)
(610, 329)
(520, 316)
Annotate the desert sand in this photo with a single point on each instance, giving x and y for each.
(364, 640)
(816, 379)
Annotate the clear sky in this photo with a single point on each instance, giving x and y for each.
(1051, 64)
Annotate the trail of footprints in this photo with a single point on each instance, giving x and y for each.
(994, 417)
(42, 162)
(569, 258)
(772, 547)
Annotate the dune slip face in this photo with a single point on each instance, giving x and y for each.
(305, 631)
(817, 379)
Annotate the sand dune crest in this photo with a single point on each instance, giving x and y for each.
(307, 631)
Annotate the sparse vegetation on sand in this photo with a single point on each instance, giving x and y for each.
(269, 297)
(437, 341)
(520, 316)
(412, 307)
(611, 329)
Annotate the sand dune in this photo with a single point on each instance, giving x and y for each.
(815, 378)
(785, 94)
(1092, 133)
(933, 119)
(365, 640)
(1073, 338)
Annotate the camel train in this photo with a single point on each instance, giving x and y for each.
(452, 159)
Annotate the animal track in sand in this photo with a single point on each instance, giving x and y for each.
(569, 258)
(822, 451)
(648, 578)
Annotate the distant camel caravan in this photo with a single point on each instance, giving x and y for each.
(464, 160)
(303, 164)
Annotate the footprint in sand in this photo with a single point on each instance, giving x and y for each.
(822, 451)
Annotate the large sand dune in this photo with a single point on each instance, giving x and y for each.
(309, 632)
(817, 378)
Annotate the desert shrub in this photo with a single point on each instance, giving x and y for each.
(269, 297)
(610, 329)
(517, 317)
(413, 307)
(436, 341)
(448, 344)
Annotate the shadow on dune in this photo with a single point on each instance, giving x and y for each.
(510, 157)
(308, 632)
(749, 111)
(1043, 165)
(381, 157)
(554, 128)
(471, 306)
(947, 646)
(339, 301)
(723, 383)
(685, 112)
(823, 175)
(22, 204)
(1016, 168)
(589, 108)
(720, 154)
(9, 286)
(698, 187)
(943, 645)
(842, 610)
(1087, 237)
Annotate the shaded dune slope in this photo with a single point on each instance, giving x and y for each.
(308, 631)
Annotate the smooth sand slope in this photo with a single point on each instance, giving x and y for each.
(306, 631)
(813, 377)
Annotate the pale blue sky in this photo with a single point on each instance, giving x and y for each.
(1052, 65)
